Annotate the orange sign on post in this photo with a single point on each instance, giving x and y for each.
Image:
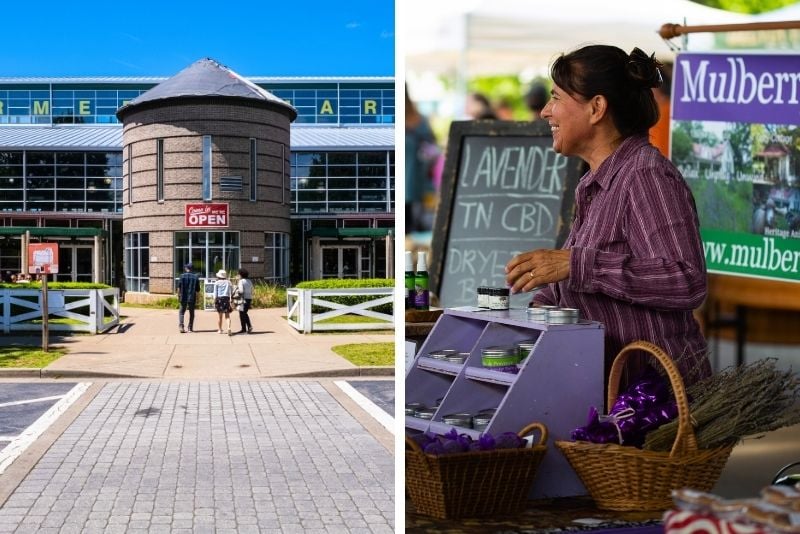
(42, 258)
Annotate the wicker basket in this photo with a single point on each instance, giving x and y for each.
(627, 478)
(473, 484)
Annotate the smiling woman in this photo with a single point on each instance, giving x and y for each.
(633, 259)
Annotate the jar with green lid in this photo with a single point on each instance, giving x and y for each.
(499, 356)
(524, 348)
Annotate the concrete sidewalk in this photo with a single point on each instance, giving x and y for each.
(147, 344)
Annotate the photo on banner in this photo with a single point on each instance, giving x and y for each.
(735, 139)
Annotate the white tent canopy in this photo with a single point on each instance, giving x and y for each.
(466, 38)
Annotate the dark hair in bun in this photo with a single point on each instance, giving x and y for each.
(624, 80)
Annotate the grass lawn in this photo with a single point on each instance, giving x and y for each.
(352, 319)
(28, 356)
(363, 354)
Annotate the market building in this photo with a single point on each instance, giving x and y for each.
(291, 178)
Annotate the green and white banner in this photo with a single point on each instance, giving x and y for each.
(736, 140)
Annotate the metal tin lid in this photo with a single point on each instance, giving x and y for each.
(438, 402)
(412, 407)
(501, 291)
(526, 344)
(487, 411)
(457, 358)
(563, 316)
(441, 354)
(498, 352)
(458, 419)
(425, 413)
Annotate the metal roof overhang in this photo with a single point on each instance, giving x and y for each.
(303, 138)
(57, 231)
(350, 232)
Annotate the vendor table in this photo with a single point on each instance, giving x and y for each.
(558, 382)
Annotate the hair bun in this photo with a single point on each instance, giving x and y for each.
(643, 70)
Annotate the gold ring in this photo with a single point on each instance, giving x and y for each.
(531, 273)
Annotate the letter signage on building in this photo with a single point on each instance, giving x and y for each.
(736, 140)
(206, 216)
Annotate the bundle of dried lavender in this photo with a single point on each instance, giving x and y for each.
(739, 401)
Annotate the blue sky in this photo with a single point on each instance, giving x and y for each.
(161, 37)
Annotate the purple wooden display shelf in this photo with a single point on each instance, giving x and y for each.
(561, 378)
(444, 367)
(487, 375)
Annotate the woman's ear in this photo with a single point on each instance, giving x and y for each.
(598, 108)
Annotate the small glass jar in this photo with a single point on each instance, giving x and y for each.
(499, 298)
(483, 297)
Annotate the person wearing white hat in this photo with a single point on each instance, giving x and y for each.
(223, 289)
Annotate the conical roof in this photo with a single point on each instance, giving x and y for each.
(207, 78)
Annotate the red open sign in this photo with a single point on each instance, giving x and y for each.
(206, 216)
(42, 258)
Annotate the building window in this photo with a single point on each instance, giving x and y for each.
(253, 170)
(160, 170)
(208, 252)
(276, 257)
(207, 168)
(130, 174)
(137, 261)
(283, 174)
(342, 182)
(39, 181)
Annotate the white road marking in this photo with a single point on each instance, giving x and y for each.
(29, 435)
(29, 401)
(370, 407)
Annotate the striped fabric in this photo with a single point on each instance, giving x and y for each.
(637, 262)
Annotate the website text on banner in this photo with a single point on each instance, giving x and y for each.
(735, 138)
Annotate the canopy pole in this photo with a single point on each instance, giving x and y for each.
(668, 31)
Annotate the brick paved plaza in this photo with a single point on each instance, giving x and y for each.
(244, 456)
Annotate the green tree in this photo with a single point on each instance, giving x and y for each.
(746, 6)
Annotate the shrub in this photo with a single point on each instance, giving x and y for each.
(349, 284)
(268, 295)
(53, 285)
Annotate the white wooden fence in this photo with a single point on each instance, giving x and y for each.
(299, 304)
(91, 310)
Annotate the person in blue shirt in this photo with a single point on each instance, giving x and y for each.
(188, 288)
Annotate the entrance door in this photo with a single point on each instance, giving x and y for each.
(74, 263)
(340, 262)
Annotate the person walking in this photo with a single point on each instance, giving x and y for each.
(243, 296)
(223, 290)
(188, 288)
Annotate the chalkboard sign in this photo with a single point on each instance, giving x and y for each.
(504, 191)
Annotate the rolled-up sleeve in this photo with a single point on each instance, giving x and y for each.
(664, 267)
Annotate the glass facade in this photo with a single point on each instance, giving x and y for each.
(208, 252)
(344, 182)
(36, 181)
(276, 257)
(62, 104)
(318, 103)
(340, 103)
(137, 261)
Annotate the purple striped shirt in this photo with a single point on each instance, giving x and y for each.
(637, 262)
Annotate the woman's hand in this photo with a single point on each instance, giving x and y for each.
(535, 268)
